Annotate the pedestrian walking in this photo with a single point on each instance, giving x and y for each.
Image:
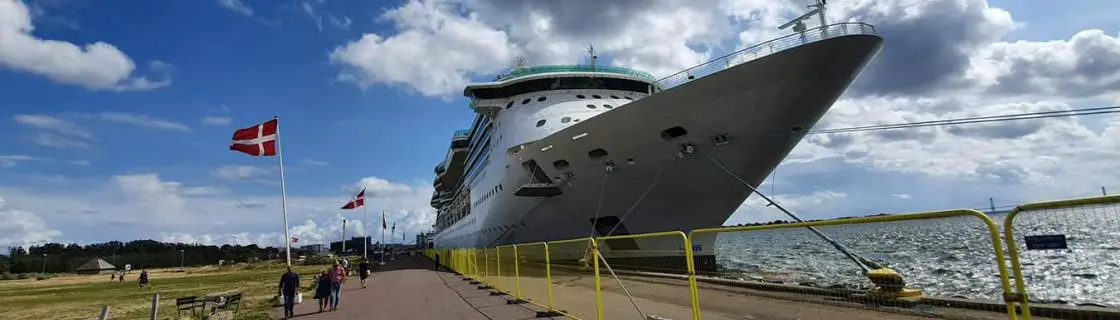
(437, 262)
(337, 276)
(323, 290)
(289, 286)
(363, 271)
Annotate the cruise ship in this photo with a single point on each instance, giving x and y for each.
(565, 152)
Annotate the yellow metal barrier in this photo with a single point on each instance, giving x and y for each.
(572, 278)
(1045, 234)
(884, 294)
(629, 288)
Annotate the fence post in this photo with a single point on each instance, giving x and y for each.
(104, 313)
(155, 306)
(516, 273)
(548, 277)
(598, 281)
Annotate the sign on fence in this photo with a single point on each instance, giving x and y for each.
(1046, 242)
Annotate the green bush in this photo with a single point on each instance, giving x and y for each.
(320, 259)
(22, 276)
(7, 276)
(42, 277)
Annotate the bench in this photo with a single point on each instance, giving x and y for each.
(193, 304)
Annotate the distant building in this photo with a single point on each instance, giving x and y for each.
(353, 246)
(313, 248)
(95, 266)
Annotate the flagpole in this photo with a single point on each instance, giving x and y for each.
(343, 252)
(382, 236)
(365, 218)
(283, 196)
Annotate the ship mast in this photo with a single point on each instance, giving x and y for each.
(591, 53)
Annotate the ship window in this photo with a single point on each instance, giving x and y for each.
(614, 97)
(541, 123)
(560, 164)
(580, 96)
(591, 106)
(526, 101)
(541, 99)
(509, 105)
(628, 98)
(607, 106)
(565, 119)
(596, 96)
(673, 133)
(597, 154)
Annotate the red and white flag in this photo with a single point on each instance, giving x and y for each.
(257, 141)
(359, 200)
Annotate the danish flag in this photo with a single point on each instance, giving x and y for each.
(295, 240)
(359, 200)
(257, 141)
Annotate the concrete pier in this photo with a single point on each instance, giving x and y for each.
(409, 288)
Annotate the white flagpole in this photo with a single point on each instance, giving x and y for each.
(365, 218)
(283, 197)
(343, 253)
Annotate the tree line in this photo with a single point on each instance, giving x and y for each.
(141, 254)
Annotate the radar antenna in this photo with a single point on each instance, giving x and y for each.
(799, 22)
(520, 63)
(591, 53)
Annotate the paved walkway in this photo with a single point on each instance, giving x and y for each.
(408, 288)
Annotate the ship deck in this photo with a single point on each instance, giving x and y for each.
(409, 288)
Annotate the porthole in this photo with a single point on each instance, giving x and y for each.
(541, 99)
(526, 101)
(629, 98)
(596, 96)
(560, 164)
(541, 123)
(608, 106)
(510, 105)
(673, 133)
(565, 119)
(597, 154)
(614, 97)
(580, 96)
(591, 106)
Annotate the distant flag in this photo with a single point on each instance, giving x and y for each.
(258, 140)
(394, 227)
(383, 225)
(295, 240)
(263, 140)
(359, 200)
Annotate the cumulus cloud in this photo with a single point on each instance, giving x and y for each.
(139, 206)
(95, 66)
(20, 228)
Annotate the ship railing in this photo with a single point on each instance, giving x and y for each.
(765, 49)
(576, 277)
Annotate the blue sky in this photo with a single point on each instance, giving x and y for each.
(368, 95)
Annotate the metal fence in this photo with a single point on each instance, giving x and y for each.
(765, 49)
(948, 264)
(1073, 248)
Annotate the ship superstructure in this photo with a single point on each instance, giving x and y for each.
(562, 152)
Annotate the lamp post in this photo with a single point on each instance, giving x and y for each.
(44, 264)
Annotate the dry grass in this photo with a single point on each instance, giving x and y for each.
(81, 297)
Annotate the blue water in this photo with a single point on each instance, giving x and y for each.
(943, 257)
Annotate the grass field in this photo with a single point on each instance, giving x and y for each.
(81, 297)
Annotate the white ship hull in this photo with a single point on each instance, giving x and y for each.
(758, 106)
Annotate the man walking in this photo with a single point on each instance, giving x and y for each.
(338, 275)
(363, 271)
(289, 286)
(437, 262)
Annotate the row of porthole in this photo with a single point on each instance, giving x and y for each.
(600, 154)
(541, 122)
(580, 96)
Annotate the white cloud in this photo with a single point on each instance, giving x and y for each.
(317, 15)
(902, 196)
(48, 139)
(52, 123)
(314, 162)
(7, 161)
(240, 172)
(95, 66)
(143, 121)
(216, 121)
(20, 228)
(237, 6)
(148, 206)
